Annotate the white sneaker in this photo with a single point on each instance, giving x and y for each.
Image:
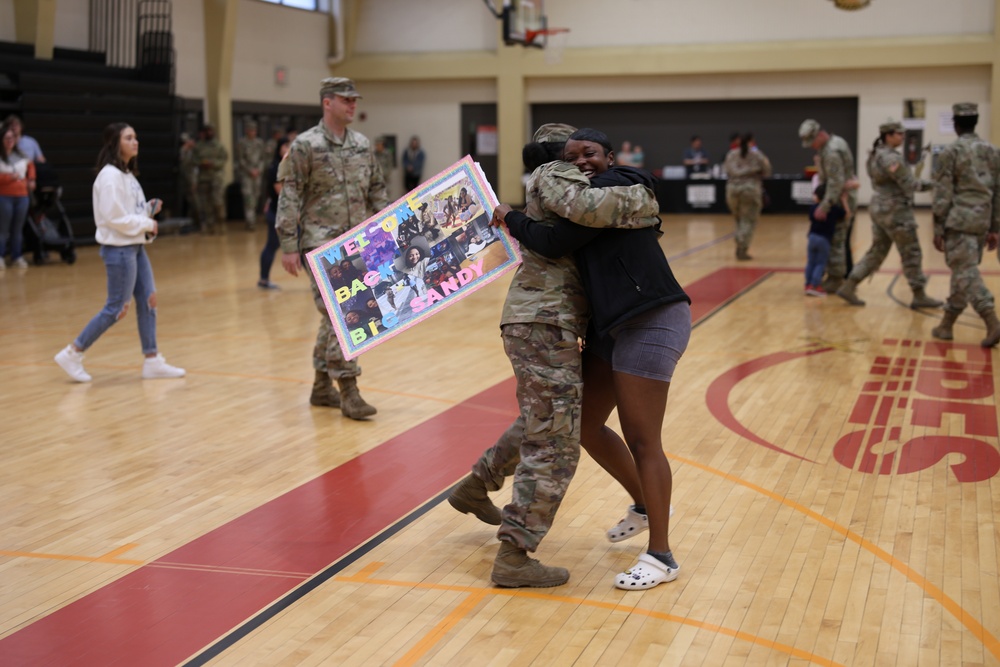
(20, 263)
(71, 361)
(157, 367)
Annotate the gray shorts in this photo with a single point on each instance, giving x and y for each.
(650, 344)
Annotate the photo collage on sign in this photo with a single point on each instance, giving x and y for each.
(426, 257)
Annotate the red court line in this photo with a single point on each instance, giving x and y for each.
(162, 615)
(714, 290)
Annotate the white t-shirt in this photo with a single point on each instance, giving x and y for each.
(120, 208)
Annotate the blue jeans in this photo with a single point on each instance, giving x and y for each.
(13, 213)
(129, 274)
(818, 254)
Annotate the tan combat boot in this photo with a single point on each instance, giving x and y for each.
(351, 403)
(992, 328)
(848, 292)
(513, 568)
(742, 254)
(469, 497)
(323, 393)
(943, 330)
(921, 300)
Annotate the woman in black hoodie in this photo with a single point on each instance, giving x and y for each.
(640, 325)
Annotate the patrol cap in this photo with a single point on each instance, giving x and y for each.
(890, 126)
(338, 85)
(552, 133)
(185, 137)
(965, 109)
(250, 125)
(808, 131)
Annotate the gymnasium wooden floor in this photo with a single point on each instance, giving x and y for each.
(835, 480)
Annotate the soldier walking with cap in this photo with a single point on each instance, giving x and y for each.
(210, 156)
(891, 211)
(331, 183)
(250, 159)
(545, 312)
(967, 218)
(836, 165)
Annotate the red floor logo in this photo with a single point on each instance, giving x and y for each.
(944, 388)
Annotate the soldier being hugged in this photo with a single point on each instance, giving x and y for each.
(967, 218)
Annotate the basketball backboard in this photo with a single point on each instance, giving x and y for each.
(523, 21)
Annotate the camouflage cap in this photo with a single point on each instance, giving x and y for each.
(185, 137)
(965, 109)
(552, 133)
(808, 131)
(338, 85)
(890, 125)
(250, 125)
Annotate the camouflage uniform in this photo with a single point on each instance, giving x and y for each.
(189, 182)
(836, 163)
(836, 168)
(966, 209)
(329, 185)
(891, 210)
(384, 158)
(544, 315)
(251, 156)
(744, 193)
(211, 156)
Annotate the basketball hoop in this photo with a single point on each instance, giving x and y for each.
(530, 35)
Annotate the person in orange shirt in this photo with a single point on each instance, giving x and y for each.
(17, 180)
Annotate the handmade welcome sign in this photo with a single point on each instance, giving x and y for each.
(419, 255)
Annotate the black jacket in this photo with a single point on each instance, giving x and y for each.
(624, 271)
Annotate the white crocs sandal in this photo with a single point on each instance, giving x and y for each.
(648, 572)
(630, 525)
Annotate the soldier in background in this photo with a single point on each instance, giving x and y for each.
(189, 178)
(331, 183)
(210, 156)
(385, 161)
(746, 168)
(250, 159)
(966, 218)
(545, 313)
(891, 211)
(836, 170)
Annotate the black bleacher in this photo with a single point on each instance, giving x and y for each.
(67, 102)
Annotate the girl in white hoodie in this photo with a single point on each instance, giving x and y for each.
(125, 225)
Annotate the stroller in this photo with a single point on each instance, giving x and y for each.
(48, 225)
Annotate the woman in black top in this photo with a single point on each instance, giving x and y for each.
(640, 325)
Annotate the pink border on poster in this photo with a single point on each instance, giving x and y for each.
(426, 251)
